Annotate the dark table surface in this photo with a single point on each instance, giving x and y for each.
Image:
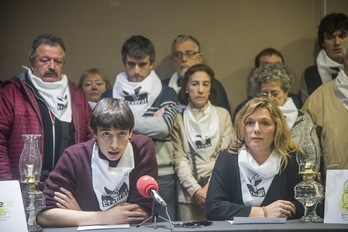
(290, 225)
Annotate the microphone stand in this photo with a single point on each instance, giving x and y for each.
(154, 216)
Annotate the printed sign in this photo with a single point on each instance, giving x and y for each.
(12, 215)
(336, 197)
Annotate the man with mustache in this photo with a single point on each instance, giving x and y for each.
(41, 100)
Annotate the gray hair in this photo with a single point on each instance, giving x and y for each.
(268, 72)
(45, 38)
(183, 38)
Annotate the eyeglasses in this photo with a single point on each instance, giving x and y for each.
(188, 54)
(271, 94)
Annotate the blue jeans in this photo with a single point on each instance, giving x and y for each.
(167, 190)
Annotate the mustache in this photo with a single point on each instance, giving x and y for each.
(50, 73)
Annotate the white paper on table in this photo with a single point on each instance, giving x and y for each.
(250, 220)
(336, 197)
(12, 215)
(103, 227)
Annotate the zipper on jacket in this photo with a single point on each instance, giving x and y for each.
(53, 138)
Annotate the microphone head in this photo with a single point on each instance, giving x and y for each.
(145, 184)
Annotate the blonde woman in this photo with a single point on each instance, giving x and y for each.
(257, 175)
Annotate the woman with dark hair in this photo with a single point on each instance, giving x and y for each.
(200, 133)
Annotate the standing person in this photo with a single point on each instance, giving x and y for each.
(274, 80)
(186, 52)
(41, 100)
(256, 176)
(332, 32)
(267, 55)
(93, 84)
(100, 175)
(154, 107)
(328, 107)
(200, 133)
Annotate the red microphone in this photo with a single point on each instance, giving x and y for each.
(148, 187)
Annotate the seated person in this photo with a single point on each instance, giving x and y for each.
(93, 84)
(98, 178)
(256, 176)
(200, 133)
(269, 55)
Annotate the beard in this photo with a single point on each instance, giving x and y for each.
(182, 71)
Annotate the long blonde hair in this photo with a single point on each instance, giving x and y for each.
(282, 142)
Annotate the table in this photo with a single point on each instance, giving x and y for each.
(290, 225)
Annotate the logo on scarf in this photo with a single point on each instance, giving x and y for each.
(136, 98)
(254, 191)
(60, 104)
(202, 143)
(335, 72)
(112, 197)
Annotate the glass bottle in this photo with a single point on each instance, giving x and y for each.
(30, 165)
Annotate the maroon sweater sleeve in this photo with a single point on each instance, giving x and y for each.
(73, 172)
(145, 164)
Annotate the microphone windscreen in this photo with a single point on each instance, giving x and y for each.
(145, 184)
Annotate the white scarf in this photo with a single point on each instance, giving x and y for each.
(255, 179)
(140, 95)
(325, 66)
(203, 134)
(55, 94)
(290, 112)
(341, 88)
(92, 104)
(111, 184)
(173, 83)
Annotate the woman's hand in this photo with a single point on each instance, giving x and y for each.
(65, 200)
(200, 196)
(281, 208)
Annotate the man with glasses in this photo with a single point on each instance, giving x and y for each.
(41, 100)
(186, 52)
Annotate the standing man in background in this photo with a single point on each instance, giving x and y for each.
(154, 107)
(41, 100)
(186, 52)
(333, 31)
(328, 107)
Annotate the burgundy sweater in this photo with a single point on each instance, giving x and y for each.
(73, 172)
(20, 114)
